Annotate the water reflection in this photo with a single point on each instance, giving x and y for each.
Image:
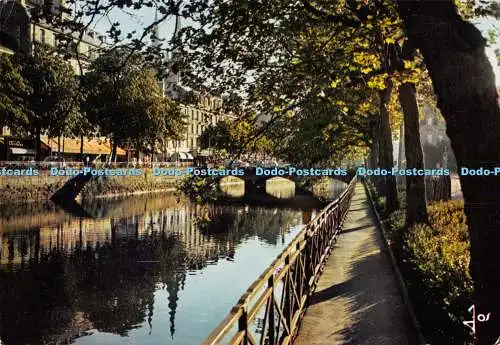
(155, 270)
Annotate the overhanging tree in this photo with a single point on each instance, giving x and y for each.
(12, 92)
(49, 100)
(463, 80)
(125, 102)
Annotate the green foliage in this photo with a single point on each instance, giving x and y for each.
(51, 97)
(439, 256)
(233, 137)
(199, 189)
(12, 91)
(322, 128)
(434, 260)
(125, 101)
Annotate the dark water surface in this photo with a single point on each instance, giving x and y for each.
(145, 270)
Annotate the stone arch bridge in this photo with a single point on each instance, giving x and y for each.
(256, 177)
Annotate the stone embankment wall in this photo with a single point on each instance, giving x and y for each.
(29, 188)
(40, 188)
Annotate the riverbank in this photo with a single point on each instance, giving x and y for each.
(28, 189)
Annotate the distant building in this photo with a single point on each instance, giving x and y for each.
(435, 143)
(15, 28)
(19, 33)
(200, 114)
(432, 129)
(23, 149)
(200, 110)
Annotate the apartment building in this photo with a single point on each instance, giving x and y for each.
(19, 33)
(200, 110)
(203, 112)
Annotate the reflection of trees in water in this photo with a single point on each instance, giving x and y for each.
(119, 206)
(58, 282)
(117, 282)
(239, 223)
(107, 283)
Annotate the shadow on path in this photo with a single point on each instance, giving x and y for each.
(357, 300)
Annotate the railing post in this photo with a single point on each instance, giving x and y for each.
(307, 262)
(299, 274)
(243, 325)
(287, 310)
(272, 328)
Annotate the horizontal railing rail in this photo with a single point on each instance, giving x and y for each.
(270, 311)
(45, 166)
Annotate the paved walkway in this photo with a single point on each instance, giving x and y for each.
(357, 300)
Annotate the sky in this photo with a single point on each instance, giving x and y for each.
(144, 17)
(484, 25)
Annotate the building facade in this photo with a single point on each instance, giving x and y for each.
(204, 112)
(435, 143)
(15, 27)
(200, 110)
(84, 50)
(19, 33)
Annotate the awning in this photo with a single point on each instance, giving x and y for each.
(94, 146)
(181, 156)
(22, 151)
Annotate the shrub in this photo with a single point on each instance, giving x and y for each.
(438, 255)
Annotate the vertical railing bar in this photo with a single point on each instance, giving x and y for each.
(272, 329)
(243, 325)
(288, 299)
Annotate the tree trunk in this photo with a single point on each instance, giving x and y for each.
(416, 204)
(374, 153)
(38, 151)
(81, 148)
(113, 152)
(386, 158)
(463, 80)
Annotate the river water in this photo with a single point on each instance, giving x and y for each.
(145, 270)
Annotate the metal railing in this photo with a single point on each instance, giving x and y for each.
(270, 311)
(45, 166)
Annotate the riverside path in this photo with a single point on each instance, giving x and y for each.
(357, 300)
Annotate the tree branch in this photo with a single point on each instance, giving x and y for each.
(329, 17)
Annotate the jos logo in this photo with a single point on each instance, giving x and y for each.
(480, 318)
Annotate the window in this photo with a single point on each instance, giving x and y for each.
(18, 34)
(83, 48)
(42, 35)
